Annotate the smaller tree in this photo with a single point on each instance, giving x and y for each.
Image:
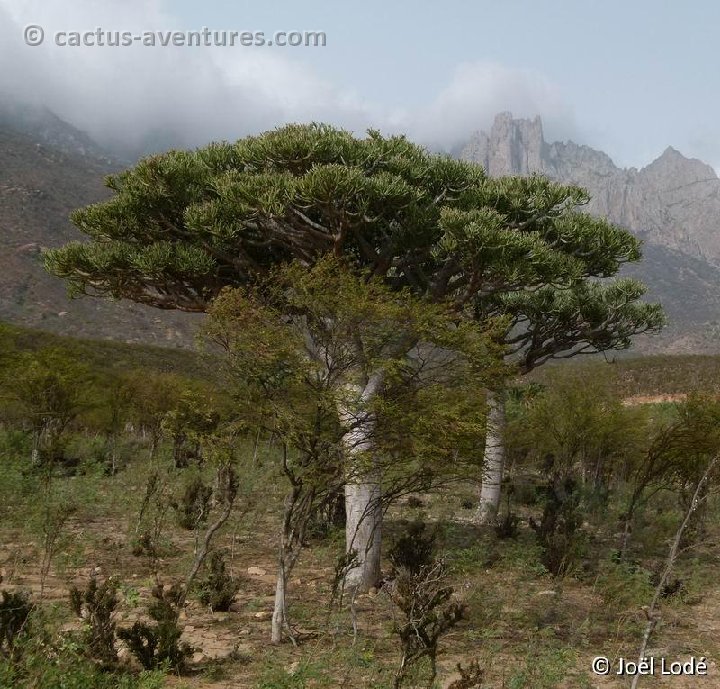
(48, 389)
(303, 346)
(153, 396)
(581, 439)
(96, 606)
(109, 416)
(193, 418)
(578, 427)
(684, 450)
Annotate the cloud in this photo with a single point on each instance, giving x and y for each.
(478, 91)
(132, 98)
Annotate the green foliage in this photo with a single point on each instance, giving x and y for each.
(15, 609)
(183, 225)
(193, 418)
(158, 645)
(193, 508)
(577, 427)
(57, 664)
(414, 549)
(692, 441)
(96, 606)
(218, 589)
(47, 390)
(44, 657)
(338, 331)
(153, 396)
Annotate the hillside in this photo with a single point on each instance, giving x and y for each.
(47, 169)
(673, 205)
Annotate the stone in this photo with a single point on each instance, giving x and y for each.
(256, 571)
(672, 204)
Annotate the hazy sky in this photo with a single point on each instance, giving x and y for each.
(628, 77)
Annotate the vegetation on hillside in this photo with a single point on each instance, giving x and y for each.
(595, 493)
(368, 310)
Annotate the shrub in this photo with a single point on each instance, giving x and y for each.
(623, 586)
(414, 549)
(96, 605)
(414, 502)
(418, 588)
(428, 611)
(507, 526)
(194, 506)
(144, 545)
(159, 644)
(558, 532)
(218, 589)
(15, 609)
(470, 677)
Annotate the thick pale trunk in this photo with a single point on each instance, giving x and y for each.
(363, 533)
(278, 618)
(363, 490)
(494, 460)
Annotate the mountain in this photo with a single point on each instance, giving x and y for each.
(47, 169)
(673, 205)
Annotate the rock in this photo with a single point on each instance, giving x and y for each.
(672, 204)
(256, 571)
(549, 592)
(262, 615)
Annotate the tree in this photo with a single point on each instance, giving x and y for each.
(48, 390)
(153, 396)
(560, 321)
(299, 346)
(183, 225)
(683, 451)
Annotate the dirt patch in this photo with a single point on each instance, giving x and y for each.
(636, 400)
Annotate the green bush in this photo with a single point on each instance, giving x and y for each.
(15, 609)
(217, 590)
(158, 645)
(96, 605)
(624, 586)
(193, 508)
(43, 658)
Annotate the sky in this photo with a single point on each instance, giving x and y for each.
(629, 78)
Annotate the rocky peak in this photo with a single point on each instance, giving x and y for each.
(513, 146)
(672, 167)
(673, 202)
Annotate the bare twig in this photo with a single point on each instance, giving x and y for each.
(651, 612)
